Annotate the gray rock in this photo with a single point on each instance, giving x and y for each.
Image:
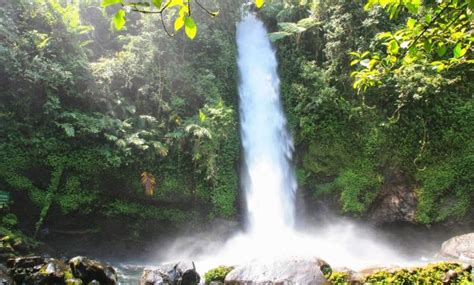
(4, 278)
(89, 270)
(282, 271)
(459, 247)
(183, 273)
(38, 270)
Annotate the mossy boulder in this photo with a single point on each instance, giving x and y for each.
(89, 270)
(38, 270)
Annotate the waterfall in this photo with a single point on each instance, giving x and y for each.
(269, 183)
(268, 179)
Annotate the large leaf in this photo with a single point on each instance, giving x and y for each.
(278, 36)
(308, 23)
(291, 28)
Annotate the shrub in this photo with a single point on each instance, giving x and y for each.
(217, 274)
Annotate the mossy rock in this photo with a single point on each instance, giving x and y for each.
(217, 274)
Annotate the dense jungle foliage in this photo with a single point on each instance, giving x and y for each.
(134, 127)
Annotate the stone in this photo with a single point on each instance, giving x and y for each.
(4, 278)
(38, 270)
(396, 202)
(450, 276)
(183, 273)
(89, 270)
(459, 247)
(280, 271)
(25, 262)
(74, 281)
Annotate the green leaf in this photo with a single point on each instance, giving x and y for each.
(190, 28)
(438, 66)
(202, 116)
(259, 3)
(157, 3)
(178, 23)
(354, 62)
(278, 36)
(393, 47)
(457, 50)
(119, 19)
(441, 49)
(107, 3)
(69, 129)
(411, 23)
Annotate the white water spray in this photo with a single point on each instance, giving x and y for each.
(268, 179)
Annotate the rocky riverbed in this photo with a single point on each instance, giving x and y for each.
(454, 265)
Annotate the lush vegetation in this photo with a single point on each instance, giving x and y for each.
(132, 125)
(217, 274)
(436, 273)
(369, 99)
(89, 114)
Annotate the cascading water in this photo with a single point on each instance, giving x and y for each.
(269, 182)
(268, 179)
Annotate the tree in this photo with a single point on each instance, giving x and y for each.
(182, 19)
(436, 35)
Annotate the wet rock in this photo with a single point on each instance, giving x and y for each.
(52, 272)
(4, 278)
(89, 270)
(183, 273)
(6, 249)
(283, 271)
(38, 270)
(25, 262)
(450, 277)
(459, 247)
(74, 281)
(395, 203)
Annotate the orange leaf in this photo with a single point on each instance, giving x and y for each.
(149, 183)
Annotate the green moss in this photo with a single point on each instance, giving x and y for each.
(431, 274)
(217, 274)
(359, 187)
(341, 278)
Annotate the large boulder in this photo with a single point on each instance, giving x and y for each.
(282, 271)
(183, 273)
(89, 270)
(460, 247)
